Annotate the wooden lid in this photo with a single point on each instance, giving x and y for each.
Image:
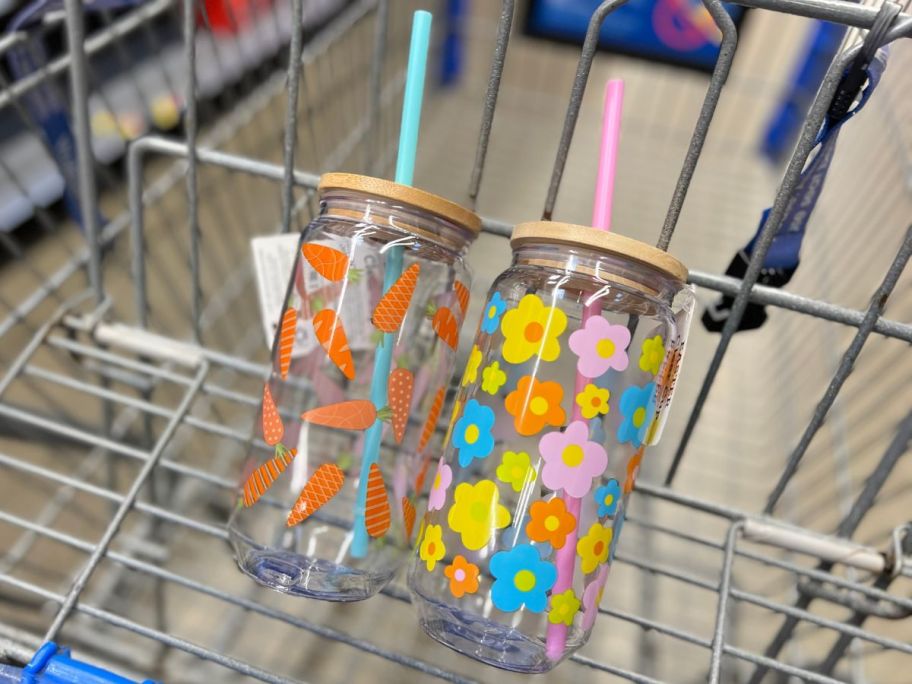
(600, 240)
(427, 201)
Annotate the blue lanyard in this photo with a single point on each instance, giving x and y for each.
(783, 257)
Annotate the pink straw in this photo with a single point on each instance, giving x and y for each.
(601, 218)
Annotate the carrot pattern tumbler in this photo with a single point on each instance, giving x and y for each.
(327, 501)
(568, 381)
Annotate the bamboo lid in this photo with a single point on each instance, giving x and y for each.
(600, 240)
(422, 199)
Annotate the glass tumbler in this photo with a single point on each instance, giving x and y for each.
(568, 381)
(362, 355)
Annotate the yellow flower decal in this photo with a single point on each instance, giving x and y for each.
(471, 369)
(532, 329)
(476, 513)
(432, 548)
(652, 355)
(457, 405)
(493, 378)
(593, 548)
(593, 401)
(563, 607)
(516, 470)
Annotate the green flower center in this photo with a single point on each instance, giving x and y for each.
(524, 580)
(639, 417)
(572, 455)
(478, 511)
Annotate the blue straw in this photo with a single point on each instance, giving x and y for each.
(405, 174)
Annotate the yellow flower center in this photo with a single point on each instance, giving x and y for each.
(609, 499)
(518, 472)
(605, 348)
(472, 433)
(572, 455)
(492, 312)
(538, 406)
(552, 523)
(533, 331)
(479, 511)
(524, 580)
(436, 482)
(639, 417)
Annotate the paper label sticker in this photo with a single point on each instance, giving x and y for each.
(273, 260)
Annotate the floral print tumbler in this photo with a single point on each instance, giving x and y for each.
(555, 410)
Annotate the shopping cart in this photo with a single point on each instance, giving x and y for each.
(133, 353)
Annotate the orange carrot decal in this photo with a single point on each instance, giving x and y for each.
(446, 326)
(328, 262)
(323, 485)
(286, 340)
(331, 335)
(357, 414)
(263, 477)
(399, 395)
(431, 421)
(273, 429)
(391, 308)
(377, 508)
(462, 296)
(408, 517)
(419, 479)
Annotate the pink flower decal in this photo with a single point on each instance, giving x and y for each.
(442, 481)
(592, 596)
(572, 460)
(600, 346)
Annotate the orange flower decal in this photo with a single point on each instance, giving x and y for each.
(463, 577)
(534, 404)
(633, 467)
(550, 522)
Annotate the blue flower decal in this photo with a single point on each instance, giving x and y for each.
(521, 577)
(607, 497)
(472, 435)
(490, 319)
(638, 409)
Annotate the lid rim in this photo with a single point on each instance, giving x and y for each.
(587, 237)
(421, 199)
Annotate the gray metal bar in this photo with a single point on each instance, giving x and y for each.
(191, 126)
(85, 158)
(770, 664)
(851, 14)
(587, 54)
(102, 547)
(291, 111)
(713, 92)
(771, 296)
(796, 164)
(846, 364)
(504, 26)
(896, 449)
(859, 617)
(718, 641)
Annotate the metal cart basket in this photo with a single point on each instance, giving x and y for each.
(770, 538)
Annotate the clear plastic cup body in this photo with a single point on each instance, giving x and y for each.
(567, 383)
(363, 352)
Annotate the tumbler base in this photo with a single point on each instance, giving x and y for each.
(490, 642)
(291, 573)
